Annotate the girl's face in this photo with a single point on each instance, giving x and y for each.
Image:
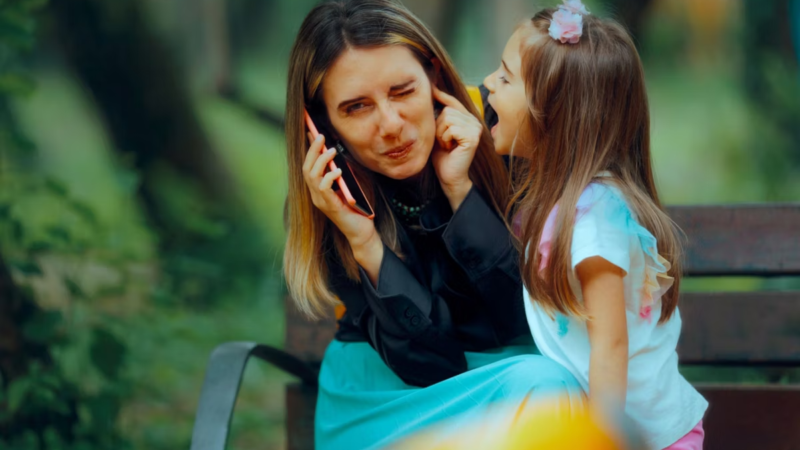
(379, 100)
(507, 93)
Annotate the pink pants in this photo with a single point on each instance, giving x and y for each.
(692, 441)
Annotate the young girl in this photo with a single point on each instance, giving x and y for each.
(602, 267)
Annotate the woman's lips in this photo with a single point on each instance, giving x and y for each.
(494, 128)
(401, 151)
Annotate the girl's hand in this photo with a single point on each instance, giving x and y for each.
(458, 133)
(359, 230)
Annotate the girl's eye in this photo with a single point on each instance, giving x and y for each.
(503, 79)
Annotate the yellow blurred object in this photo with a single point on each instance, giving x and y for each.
(339, 310)
(548, 431)
(709, 22)
(475, 94)
(543, 426)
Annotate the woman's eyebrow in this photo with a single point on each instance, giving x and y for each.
(345, 103)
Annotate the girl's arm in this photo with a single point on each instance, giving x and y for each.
(604, 298)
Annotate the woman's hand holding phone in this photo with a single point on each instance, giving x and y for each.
(358, 229)
(458, 133)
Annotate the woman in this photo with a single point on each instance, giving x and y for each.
(434, 326)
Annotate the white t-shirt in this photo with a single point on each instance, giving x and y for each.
(660, 402)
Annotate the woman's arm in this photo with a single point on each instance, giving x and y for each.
(604, 298)
(458, 133)
(476, 237)
(396, 315)
(390, 306)
(482, 245)
(369, 256)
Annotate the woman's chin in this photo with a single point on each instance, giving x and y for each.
(403, 173)
(406, 170)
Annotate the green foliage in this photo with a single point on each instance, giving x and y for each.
(123, 351)
(107, 353)
(17, 34)
(45, 408)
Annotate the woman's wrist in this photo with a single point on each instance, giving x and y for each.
(366, 246)
(457, 192)
(368, 253)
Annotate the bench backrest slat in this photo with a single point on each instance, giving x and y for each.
(759, 240)
(306, 339)
(751, 417)
(742, 328)
(718, 328)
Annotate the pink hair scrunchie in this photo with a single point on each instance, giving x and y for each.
(567, 23)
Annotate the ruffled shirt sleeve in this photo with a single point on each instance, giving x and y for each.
(601, 228)
(606, 227)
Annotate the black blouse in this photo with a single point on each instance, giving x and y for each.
(457, 289)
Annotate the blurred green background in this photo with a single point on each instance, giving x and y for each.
(142, 180)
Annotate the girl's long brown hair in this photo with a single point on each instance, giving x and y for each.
(587, 113)
(329, 30)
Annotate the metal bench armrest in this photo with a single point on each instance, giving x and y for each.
(221, 386)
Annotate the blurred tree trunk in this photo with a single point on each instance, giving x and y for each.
(217, 41)
(768, 35)
(770, 78)
(207, 242)
(632, 14)
(218, 45)
(250, 20)
(136, 85)
(441, 16)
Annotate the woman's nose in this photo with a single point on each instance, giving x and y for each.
(391, 123)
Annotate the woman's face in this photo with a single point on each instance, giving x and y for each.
(507, 93)
(380, 103)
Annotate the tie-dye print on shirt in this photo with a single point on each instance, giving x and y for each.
(605, 226)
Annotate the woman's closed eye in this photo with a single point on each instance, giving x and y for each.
(360, 106)
(405, 93)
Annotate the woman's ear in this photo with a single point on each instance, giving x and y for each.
(325, 126)
(436, 80)
(437, 70)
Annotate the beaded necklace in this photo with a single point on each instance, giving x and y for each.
(408, 212)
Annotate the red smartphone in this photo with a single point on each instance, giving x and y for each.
(353, 197)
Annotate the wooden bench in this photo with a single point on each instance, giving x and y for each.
(739, 329)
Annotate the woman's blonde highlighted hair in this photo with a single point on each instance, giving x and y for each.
(329, 30)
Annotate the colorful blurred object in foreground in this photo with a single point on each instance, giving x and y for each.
(541, 427)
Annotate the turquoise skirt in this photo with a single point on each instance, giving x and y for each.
(362, 404)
